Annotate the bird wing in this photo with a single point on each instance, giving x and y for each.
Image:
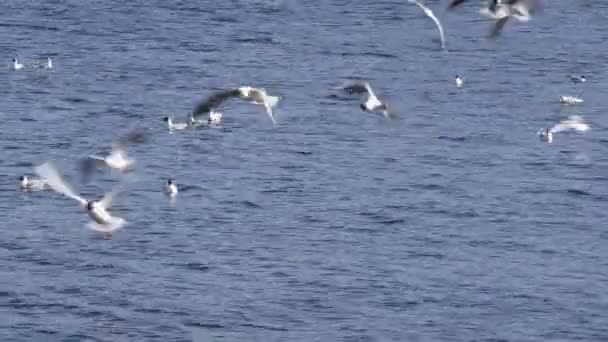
(88, 166)
(213, 101)
(106, 201)
(354, 87)
(500, 23)
(134, 136)
(56, 182)
(269, 103)
(455, 3)
(431, 15)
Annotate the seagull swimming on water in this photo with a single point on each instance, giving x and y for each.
(431, 15)
(103, 221)
(117, 159)
(171, 188)
(17, 65)
(31, 184)
(459, 81)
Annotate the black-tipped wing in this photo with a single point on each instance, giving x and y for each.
(455, 3)
(498, 27)
(213, 101)
(355, 88)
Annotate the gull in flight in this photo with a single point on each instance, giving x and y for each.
(253, 95)
(117, 159)
(431, 15)
(103, 221)
(573, 123)
(503, 10)
(31, 184)
(372, 104)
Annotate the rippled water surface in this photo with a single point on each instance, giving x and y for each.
(457, 224)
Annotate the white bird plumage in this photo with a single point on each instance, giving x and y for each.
(573, 123)
(96, 210)
(570, 100)
(171, 188)
(16, 65)
(31, 184)
(431, 15)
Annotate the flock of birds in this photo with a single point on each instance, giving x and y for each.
(206, 114)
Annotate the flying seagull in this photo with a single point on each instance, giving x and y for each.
(431, 15)
(103, 221)
(250, 94)
(372, 104)
(117, 159)
(573, 123)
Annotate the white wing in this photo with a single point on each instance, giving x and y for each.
(270, 102)
(431, 15)
(574, 123)
(55, 181)
(369, 90)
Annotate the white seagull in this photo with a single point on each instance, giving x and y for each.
(459, 81)
(17, 65)
(573, 123)
(171, 188)
(97, 210)
(254, 95)
(372, 104)
(431, 15)
(31, 184)
(570, 100)
(117, 159)
(502, 10)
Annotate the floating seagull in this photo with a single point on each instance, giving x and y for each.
(117, 159)
(97, 210)
(372, 104)
(26, 183)
(253, 95)
(459, 81)
(171, 188)
(577, 79)
(573, 123)
(430, 14)
(17, 65)
(49, 63)
(175, 126)
(502, 10)
(570, 100)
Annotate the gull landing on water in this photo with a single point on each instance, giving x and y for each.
(573, 123)
(431, 15)
(103, 221)
(117, 159)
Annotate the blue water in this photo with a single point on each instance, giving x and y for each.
(457, 224)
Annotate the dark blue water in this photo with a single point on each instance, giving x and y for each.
(458, 224)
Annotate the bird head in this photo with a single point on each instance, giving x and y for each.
(90, 205)
(166, 119)
(23, 178)
(170, 181)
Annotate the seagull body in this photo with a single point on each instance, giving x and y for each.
(117, 159)
(17, 65)
(372, 104)
(570, 100)
(431, 15)
(459, 81)
(32, 184)
(49, 63)
(96, 210)
(171, 188)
